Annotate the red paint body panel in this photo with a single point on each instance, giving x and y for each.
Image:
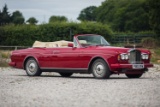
(74, 58)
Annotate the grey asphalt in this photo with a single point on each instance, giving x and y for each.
(80, 90)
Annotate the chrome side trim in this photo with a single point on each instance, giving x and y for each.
(63, 68)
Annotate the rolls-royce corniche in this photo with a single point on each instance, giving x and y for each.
(88, 53)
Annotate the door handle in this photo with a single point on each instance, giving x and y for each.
(56, 52)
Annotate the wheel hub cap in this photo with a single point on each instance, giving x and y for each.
(99, 69)
(32, 67)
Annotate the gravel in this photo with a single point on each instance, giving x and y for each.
(80, 90)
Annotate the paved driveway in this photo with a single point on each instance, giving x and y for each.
(80, 90)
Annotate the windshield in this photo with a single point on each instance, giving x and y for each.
(89, 40)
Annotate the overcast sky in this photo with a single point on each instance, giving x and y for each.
(43, 9)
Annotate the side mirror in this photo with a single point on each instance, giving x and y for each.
(70, 44)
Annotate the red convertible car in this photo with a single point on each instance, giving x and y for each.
(88, 53)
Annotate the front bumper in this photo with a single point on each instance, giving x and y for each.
(127, 66)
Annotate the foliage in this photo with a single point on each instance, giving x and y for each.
(88, 14)
(32, 21)
(5, 17)
(53, 19)
(3, 63)
(17, 17)
(124, 15)
(154, 15)
(5, 54)
(25, 35)
(149, 42)
(4, 58)
(18, 20)
(155, 57)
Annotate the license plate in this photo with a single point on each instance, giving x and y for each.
(138, 66)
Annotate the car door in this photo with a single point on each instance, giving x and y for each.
(47, 57)
(60, 58)
(67, 58)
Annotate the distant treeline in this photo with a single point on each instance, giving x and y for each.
(111, 16)
(125, 15)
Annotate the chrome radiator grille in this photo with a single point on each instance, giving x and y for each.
(134, 56)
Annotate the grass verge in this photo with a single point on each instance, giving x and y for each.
(155, 58)
(4, 58)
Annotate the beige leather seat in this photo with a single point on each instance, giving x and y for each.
(83, 41)
(61, 43)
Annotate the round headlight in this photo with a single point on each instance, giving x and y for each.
(126, 56)
(122, 56)
(145, 56)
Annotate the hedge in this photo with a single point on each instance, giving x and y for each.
(25, 35)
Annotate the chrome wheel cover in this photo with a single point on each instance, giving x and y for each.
(31, 67)
(99, 69)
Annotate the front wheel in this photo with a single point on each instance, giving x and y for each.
(65, 74)
(100, 69)
(32, 68)
(134, 75)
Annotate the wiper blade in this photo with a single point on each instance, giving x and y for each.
(101, 45)
(96, 45)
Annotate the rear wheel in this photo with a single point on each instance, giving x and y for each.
(100, 69)
(134, 75)
(32, 68)
(65, 74)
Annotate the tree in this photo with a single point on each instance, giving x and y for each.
(1, 17)
(5, 17)
(53, 19)
(18, 20)
(124, 15)
(88, 14)
(32, 20)
(154, 15)
(17, 17)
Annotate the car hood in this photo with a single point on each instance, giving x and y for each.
(120, 49)
(115, 49)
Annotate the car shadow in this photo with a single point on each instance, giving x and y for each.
(73, 77)
(127, 78)
(84, 77)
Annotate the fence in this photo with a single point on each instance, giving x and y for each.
(13, 47)
(129, 39)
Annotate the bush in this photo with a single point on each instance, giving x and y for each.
(4, 58)
(25, 35)
(149, 42)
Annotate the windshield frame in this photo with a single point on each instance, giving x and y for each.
(101, 37)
